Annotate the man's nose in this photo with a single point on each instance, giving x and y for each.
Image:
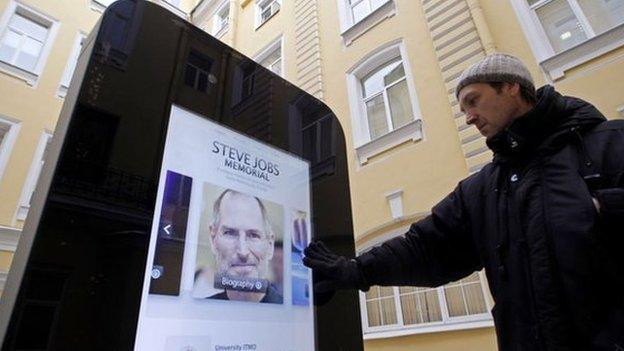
(471, 117)
(243, 246)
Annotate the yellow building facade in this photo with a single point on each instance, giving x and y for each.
(387, 68)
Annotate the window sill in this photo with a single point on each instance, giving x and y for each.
(599, 45)
(356, 30)
(391, 332)
(411, 131)
(9, 237)
(29, 77)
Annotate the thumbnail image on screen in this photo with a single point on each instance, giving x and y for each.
(239, 253)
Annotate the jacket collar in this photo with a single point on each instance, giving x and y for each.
(541, 128)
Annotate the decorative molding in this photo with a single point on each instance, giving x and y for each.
(9, 238)
(620, 111)
(409, 132)
(308, 48)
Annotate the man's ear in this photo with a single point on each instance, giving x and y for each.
(514, 89)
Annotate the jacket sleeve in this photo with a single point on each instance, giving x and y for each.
(436, 250)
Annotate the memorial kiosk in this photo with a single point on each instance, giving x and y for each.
(181, 185)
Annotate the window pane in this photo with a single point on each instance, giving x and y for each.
(430, 305)
(375, 82)
(376, 114)
(455, 301)
(603, 14)
(29, 55)
(9, 46)
(385, 291)
(533, 2)
(388, 310)
(360, 11)
(400, 105)
(375, 4)
(372, 293)
(561, 25)
(411, 310)
(32, 29)
(373, 313)
(475, 299)
(395, 73)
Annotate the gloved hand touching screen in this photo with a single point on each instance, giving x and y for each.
(331, 271)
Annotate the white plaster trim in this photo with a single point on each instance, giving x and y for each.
(588, 50)
(483, 322)
(620, 111)
(30, 77)
(355, 30)
(9, 238)
(31, 180)
(411, 131)
(6, 146)
(71, 61)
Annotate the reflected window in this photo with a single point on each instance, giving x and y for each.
(249, 78)
(197, 71)
(568, 23)
(407, 307)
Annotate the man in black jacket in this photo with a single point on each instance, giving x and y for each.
(544, 219)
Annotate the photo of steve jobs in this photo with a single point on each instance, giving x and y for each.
(238, 239)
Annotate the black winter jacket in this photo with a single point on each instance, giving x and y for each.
(553, 263)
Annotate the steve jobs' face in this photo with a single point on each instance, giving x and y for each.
(241, 240)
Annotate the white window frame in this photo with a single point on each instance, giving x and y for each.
(556, 64)
(30, 77)
(351, 30)
(100, 5)
(7, 143)
(275, 6)
(218, 27)
(269, 49)
(70, 67)
(448, 323)
(364, 146)
(33, 176)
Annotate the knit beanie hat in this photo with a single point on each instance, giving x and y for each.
(496, 68)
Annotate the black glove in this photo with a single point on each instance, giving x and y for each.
(332, 272)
